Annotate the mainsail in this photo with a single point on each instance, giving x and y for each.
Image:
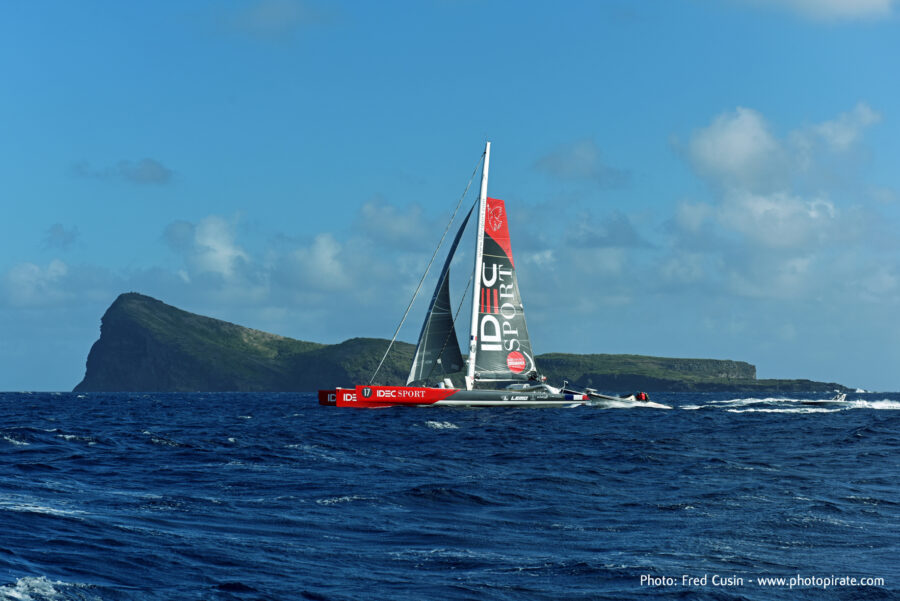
(437, 352)
(503, 349)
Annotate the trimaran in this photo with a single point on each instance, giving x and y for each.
(499, 345)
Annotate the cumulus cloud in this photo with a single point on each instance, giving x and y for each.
(208, 246)
(841, 133)
(146, 171)
(837, 137)
(57, 284)
(322, 265)
(834, 10)
(307, 282)
(738, 149)
(582, 160)
(777, 222)
(28, 284)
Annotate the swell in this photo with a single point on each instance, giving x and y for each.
(249, 496)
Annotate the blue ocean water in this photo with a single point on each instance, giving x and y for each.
(270, 496)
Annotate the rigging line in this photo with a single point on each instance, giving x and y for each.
(447, 338)
(424, 275)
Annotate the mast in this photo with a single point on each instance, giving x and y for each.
(476, 280)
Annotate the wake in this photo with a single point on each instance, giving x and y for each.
(787, 405)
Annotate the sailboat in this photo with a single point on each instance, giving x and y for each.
(499, 346)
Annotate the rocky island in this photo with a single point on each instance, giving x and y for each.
(147, 345)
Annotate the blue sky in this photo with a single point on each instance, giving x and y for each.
(710, 178)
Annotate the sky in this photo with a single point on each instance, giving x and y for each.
(684, 178)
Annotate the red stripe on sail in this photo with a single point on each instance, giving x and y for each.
(496, 302)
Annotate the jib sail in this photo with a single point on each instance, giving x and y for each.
(437, 352)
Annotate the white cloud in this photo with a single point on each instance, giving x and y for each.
(835, 138)
(214, 248)
(738, 150)
(321, 267)
(842, 133)
(784, 220)
(208, 246)
(58, 284)
(28, 284)
(319, 286)
(834, 10)
(778, 220)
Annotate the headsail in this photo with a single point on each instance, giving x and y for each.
(437, 352)
(503, 345)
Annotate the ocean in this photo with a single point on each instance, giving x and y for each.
(270, 496)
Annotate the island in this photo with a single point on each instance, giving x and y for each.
(146, 345)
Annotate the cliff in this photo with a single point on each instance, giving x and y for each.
(147, 345)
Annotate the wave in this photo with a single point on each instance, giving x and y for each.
(15, 441)
(161, 440)
(28, 504)
(40, 588)
(344, 499)
(441, 425)
(76, 438)
(884, 404)
(785, 410)
(788, 405)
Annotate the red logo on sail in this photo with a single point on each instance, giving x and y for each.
(515, 361)
(495, 217)
(495, 226)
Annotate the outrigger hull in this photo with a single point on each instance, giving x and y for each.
(415, 396)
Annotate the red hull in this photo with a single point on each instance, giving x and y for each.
(413, 396)
(386, 396)
(383, 396)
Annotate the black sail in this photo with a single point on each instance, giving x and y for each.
(503, 345)
(437, 352)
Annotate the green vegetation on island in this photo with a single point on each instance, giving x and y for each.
(147, 345)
